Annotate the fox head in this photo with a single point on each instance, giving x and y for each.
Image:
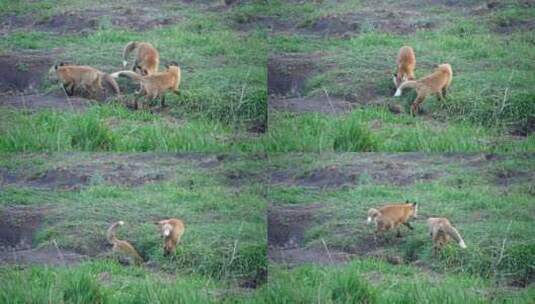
(165, 228)
(171, 64)
(414, 209)
(372, 215)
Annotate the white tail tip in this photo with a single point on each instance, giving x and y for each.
(120, 222)
(369, 220)
(125, 63)
(398, 93)
(462, 244)
(115, 75)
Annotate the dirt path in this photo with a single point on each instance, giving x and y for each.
(18, 225)
(73, 172)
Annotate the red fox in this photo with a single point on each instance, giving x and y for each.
(437, 82)
(146, 59)
(440, 230)
(406, 62)
(391, 216)
(84, 78)
(122, 247)
(155, 85)
(172, 230)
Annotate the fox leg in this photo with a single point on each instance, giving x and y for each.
(408, 225)
(415, 108)
(69, 88)
(162, 100)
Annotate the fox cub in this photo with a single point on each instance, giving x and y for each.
(172, 230)
(436, 83)
(441, 230)
(391, 216)
(123, 247)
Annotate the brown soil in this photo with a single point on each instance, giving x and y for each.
(286, 228)
(131, 170)
(132, 17)
(331, 105)
(287, 73)
(383, 20)
(506, 177)
(389, 172)
(78, 176)
(18, 225)
(23, 72)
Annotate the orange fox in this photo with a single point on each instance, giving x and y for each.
(437, 82)
(83, 77)
(391, 216)
(406, 62)
(146, 59)
(155, 85)
(441, 230)
(172, 230)
(122, 247)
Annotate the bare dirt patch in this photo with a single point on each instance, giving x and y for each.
(381, 19)
(508, 177)
(374, 171)
(18, 225)
(287, 73)
(286, 228)
(330, 105)
(136, 18)
(76, 177)
(23, 72)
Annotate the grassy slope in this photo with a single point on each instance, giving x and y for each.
(485, 213)
(492, 90)
(222, 91)
(223, 247)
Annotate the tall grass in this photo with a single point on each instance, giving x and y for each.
(379, 130)
(113, 128)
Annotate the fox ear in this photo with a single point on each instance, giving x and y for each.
(414, 203)
(407, 202)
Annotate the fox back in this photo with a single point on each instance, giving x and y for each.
(399, 213)
(406, 62)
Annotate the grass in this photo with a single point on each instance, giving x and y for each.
(493, 217)
(82, 285)
(491, 91)
(377, 129)
(391, 284)
(224, 246)
(223, 71)
(114, 128)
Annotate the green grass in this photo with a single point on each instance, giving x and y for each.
(391, 284)
(494, 220)
(115, 128)
(377, 129)
(223, 71)
(81, 284)
(492, 90)
(224, 243)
